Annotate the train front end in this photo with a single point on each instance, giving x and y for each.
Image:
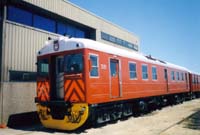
(61, 102)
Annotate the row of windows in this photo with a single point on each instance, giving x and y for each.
(133, 71)
(31, 76)
(118, 41)
(179, 76)
(31, 19)
(195, 80)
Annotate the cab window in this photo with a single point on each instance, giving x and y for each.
(43, 67)
(73, 63)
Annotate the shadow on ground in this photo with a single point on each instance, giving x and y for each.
(23, 119)
(39, 128)
(30, 122)
(193, 121)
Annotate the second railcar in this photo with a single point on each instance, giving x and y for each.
(195, 84)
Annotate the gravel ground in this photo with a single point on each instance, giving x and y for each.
(182, 119)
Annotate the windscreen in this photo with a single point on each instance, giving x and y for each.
(73, 63)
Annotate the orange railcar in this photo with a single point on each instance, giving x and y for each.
(82, 80)
(195, 84)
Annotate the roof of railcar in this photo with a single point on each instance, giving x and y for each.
(66, 44)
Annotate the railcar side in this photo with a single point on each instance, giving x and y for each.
(195, 84)
(133, 82)
(131, 85)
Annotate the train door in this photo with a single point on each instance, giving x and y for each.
(59, 75)
(115, 84)
(166, 79)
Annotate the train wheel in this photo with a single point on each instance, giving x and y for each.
(143, 107)
(163, 101)
(177, 99)
(78, 114)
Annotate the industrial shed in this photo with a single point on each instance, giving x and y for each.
(25, 25)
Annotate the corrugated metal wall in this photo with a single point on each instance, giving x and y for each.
(21, 46)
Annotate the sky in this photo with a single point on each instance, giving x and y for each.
(167, 29)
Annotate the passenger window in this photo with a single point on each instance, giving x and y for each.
(95, 66)
(177, 75)
(132, 71)
(172, 75)
(182, 76)
(144, 72)
(193, 79)
(154, 73)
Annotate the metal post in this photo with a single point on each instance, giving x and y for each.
(2, 44)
